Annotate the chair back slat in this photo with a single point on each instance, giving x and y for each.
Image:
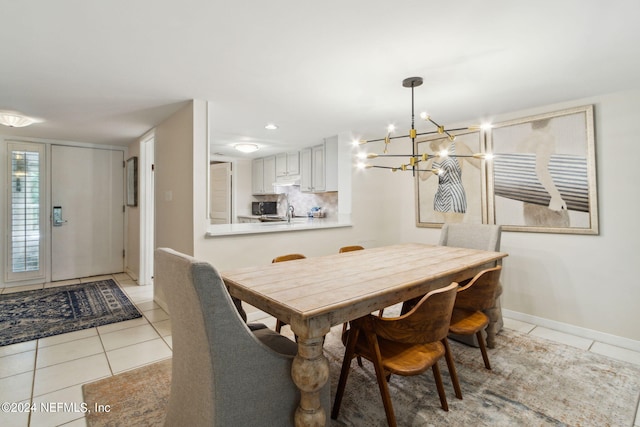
(480, 293)
(427, 322)
(351, 248)
(288, 257)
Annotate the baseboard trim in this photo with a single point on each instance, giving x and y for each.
(161, 303)
(602, 337)
(131, 274)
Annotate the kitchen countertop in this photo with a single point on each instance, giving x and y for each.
(296, 224)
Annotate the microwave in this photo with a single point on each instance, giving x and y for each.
(264, 208)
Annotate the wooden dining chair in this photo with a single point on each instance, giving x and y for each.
(484, 237)
(288, 257)
(406, 345)
(350, 248)
(283, 258)
(472, 300)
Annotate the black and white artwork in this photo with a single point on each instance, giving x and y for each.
(456, 192)
(542, 175)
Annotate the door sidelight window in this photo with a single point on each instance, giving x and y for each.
(25, 216)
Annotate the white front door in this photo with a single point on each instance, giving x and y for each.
(87, 196)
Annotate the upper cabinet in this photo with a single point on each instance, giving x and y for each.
(319, 167)
(316, 166)
(288, 164)
(263, 175)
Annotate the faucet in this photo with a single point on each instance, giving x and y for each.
(289, 212)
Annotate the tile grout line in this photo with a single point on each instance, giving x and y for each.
(33, 380)
(104, 351)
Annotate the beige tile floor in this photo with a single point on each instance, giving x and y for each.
(51, 370)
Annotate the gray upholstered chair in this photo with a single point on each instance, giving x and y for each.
(484, 237)
(223, 373)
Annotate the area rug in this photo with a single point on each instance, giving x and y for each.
(40, 313)
(534, 382)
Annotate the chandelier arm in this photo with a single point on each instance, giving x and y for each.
(435, 131)
(417, 134)
(385, 138)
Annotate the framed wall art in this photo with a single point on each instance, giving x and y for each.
(458, 192)
(543, 175)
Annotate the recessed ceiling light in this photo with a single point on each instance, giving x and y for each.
(246, 148)
(271, 126)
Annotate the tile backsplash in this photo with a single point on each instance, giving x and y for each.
(303, 202)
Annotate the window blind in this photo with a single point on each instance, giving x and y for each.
(25, 211)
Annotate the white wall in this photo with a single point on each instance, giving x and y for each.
(577, 281)
(174, 172)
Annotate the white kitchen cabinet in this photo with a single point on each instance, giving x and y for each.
(288, 164)
(319, 167)
(306, 183)
(263, 175)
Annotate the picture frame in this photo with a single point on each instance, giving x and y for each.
(132, 181)
(543, 173)
(431, 190)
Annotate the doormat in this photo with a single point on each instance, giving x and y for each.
(534, 382)
(29, 315)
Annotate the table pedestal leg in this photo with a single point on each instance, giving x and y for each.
(310, 372)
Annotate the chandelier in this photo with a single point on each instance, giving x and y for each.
(414, 159)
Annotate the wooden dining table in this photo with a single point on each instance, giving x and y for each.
(314, 294)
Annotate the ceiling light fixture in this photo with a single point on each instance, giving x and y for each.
(271, 126)
(246, 148)
(15, 120)
(414, 158)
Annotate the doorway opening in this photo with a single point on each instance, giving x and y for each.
(220, 197)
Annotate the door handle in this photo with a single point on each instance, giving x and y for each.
(57, 216)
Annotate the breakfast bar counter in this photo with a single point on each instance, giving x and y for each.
(296, 224)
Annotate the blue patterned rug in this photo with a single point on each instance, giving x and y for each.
(29, 315)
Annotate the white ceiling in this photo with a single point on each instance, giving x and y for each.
(107, 71)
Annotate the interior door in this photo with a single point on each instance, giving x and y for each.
(87, 197)
(220, 200)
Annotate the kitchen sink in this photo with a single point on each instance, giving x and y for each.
(280, 219)
(272, 219)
